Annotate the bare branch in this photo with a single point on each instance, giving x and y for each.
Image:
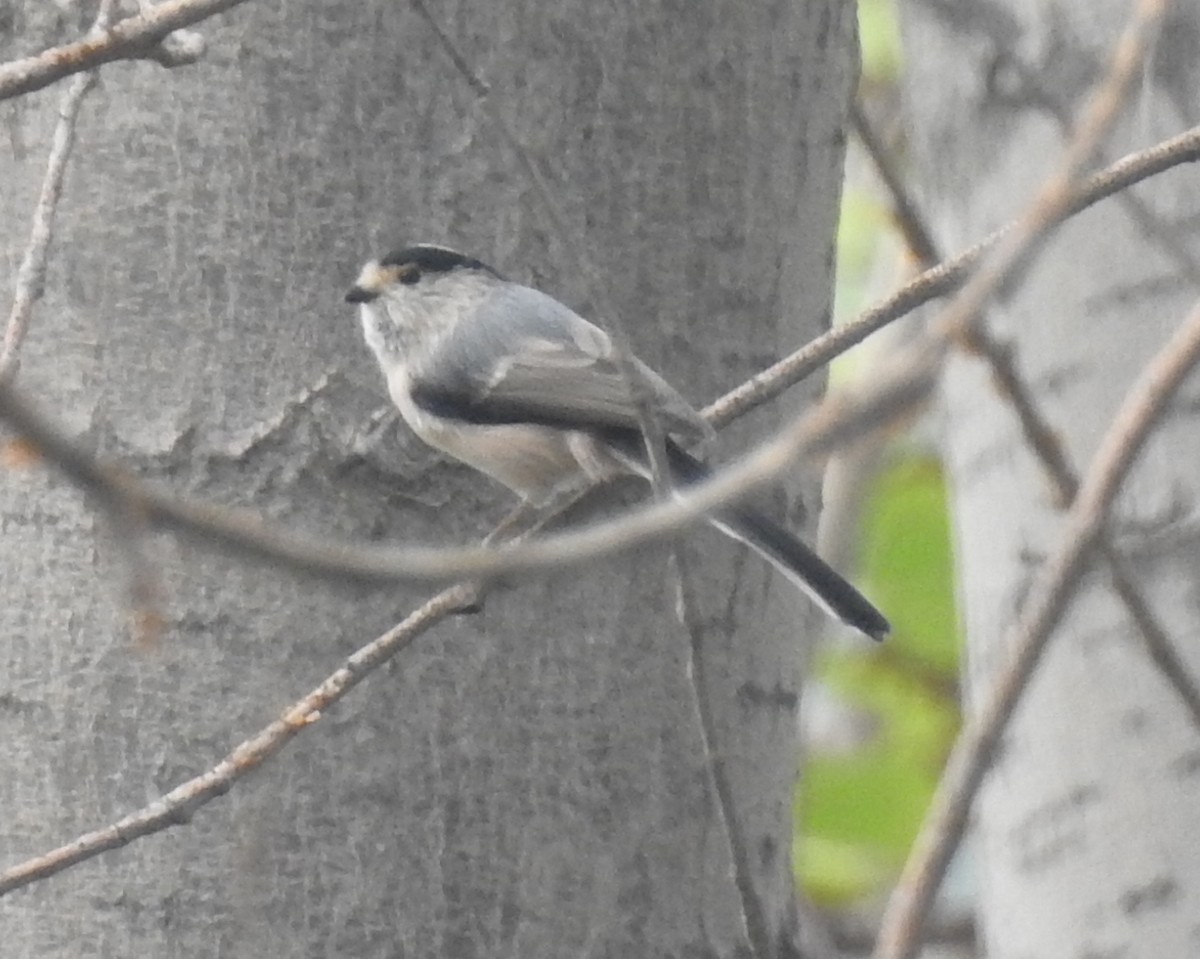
(234, 529)
(912, 224)
(941, 280)
(815, 435)
(1042, 438)
(240, 530)
(146, 36)
(180, 804)
(972, 754)
(1159, 646)
(720, 786)
(908, 387)
(30, 282)
(1169, 238)
(1065, 482)
(31, 275)
(1015, 251)
(942, 831)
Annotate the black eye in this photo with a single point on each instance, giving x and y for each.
(410, 275)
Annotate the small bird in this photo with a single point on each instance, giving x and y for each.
(515, 384)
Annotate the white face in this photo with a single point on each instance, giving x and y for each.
(408, 306)
(404, 311)
(375, 278)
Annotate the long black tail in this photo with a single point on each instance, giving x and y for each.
(827, 588)
(824, 585)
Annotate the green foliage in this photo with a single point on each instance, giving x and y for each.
(879, 37)
(861, 806)
(860, 810)
(862, 219)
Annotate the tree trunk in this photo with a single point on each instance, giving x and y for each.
(528, 781)
(1087, 824)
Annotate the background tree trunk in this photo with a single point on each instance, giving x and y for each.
(526, 782)
(1087, 826)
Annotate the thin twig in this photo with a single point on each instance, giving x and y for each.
(900, 931)
(31, 275)
(30, 284)
(181, 803)
(1065, 482)
(248, 755)
(753, 915)
(1169, 239)
(972, 754)
(1159, 646)
(941, 280)
(117, 489)
(812, 436)
(146, 36)
(1006, 265)
(239, 530)
(1041, 437)
(912, 225)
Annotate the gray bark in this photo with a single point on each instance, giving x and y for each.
(525, 782)
(1087, 826)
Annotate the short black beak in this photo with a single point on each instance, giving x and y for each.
(357, 294)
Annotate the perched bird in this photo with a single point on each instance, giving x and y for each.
(512, 382)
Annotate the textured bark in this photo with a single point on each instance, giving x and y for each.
(1088, 824)
(525, 782)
